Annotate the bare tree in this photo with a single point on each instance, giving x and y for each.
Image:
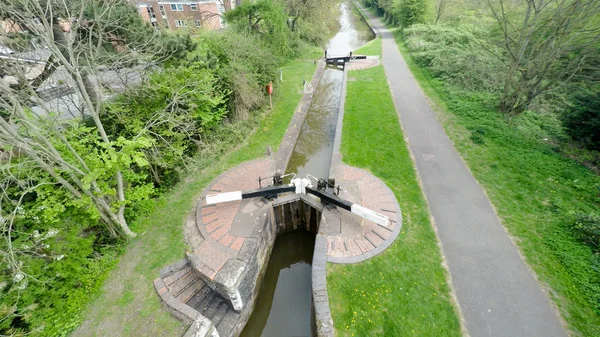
(440, 9)
(82, 37)
(547, 42)
(307, 10)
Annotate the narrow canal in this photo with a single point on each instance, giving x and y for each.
(312, 153)
(284, 306)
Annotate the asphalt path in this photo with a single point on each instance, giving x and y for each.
(497, 292)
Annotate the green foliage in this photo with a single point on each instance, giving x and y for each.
(582, 121)
(174, 110)
(244, 65)
(63, 269)
(402, 12)
(535, 190)
(456, 55)
(313, 20)
(411, 12)
(268, 20)
(587, 227)
(403, 291)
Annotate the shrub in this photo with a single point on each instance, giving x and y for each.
(455, 55)
(411, 12)
(582, 121)
(243, 66)
(587, 228)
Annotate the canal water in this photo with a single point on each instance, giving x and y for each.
(312, 153)
(284, 305)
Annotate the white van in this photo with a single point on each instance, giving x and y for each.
(5, 50)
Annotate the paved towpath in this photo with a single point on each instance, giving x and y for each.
(496, 291)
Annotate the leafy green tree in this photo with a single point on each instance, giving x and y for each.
(411, 12)
(174, 109)
(582, 121)
(268, 20)
(82, 38)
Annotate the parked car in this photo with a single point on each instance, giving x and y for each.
(5, 50)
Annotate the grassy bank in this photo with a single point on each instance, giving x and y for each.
(535, 190)
(403, 291)
(128, 304)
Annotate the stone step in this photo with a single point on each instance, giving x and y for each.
(174, 277)
(220, 314)
(228, 323)
(195, 301)
(184, 284)
(191, 289)
(212, 308)
(203, 305)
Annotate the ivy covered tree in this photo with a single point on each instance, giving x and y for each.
(85, 164)
(582, 121)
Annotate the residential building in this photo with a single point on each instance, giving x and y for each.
(181, 14)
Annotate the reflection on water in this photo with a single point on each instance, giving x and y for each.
(284, 307)
(312, 154)
(354, 32)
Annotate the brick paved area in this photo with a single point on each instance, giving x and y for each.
(362, 64)
(359, 239)
(215, 223)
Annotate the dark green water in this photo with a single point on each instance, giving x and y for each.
(284, 307)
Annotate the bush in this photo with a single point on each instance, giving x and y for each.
(582, 122)
(587, 228)
(243, 66)
(455, 55)
(411, 12)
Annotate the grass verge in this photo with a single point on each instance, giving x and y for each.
(371, 48)
(403, 291)
(128, 304)
(535, 190)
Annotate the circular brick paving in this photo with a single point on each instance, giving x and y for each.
(360, 239)
(362, 64)
(217, 244)
(357, 239)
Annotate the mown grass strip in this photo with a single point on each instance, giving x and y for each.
(128, 305)
(403, 291)
(371, 48)
(535, 190)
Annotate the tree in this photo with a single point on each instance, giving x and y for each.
(546, 43)
(582, 121)
(440, 9)
(83, 162)
(411, 12)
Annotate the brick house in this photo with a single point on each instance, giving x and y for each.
(182, 14)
